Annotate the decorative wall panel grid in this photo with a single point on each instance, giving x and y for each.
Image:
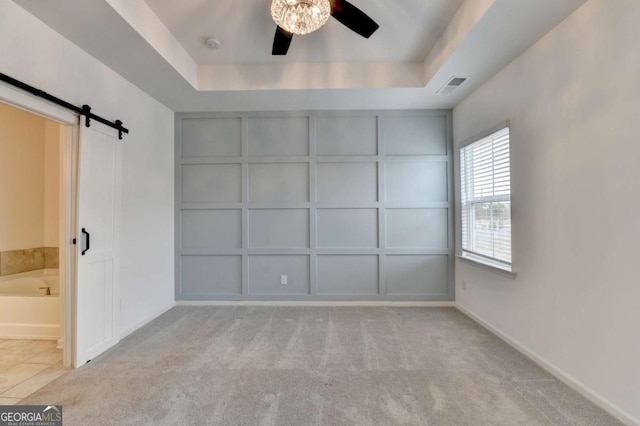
(348, 205)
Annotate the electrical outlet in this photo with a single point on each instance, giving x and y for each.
(284, 279)
(464, 285)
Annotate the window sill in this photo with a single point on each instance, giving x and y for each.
(481, 263)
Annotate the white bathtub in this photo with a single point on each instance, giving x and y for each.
(25, 311)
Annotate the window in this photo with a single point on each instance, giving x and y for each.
(485, 174)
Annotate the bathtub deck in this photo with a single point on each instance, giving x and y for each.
(26, 366)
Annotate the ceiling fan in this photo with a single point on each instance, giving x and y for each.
(306, 16)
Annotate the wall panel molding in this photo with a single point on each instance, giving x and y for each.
(350, 205)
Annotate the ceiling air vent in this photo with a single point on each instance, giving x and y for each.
(452, 85)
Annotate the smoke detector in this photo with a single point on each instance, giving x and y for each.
(212, 43)
(453, 83)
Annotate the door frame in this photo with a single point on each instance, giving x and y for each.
(68, 204)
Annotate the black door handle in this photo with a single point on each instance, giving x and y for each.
(84, 231)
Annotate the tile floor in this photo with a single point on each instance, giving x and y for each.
(26, 366)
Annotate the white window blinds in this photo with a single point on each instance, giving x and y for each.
(486, 198)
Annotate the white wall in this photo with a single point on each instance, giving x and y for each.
(32, 52)
(574, 102)
(21, 179)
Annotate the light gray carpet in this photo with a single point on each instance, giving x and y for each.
(315, 366)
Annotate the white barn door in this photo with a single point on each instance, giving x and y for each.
(99, 189)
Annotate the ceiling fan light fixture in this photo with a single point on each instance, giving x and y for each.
(300, 16)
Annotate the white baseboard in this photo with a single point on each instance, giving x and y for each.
(567, 379)
(130, 329)
(312, 303)
(30, 331)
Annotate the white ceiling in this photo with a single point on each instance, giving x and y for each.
(408, 30)
(155, 44)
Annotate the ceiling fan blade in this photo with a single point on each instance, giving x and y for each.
(353, 18)
(281, 42)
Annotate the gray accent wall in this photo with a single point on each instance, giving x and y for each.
(350, 205)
